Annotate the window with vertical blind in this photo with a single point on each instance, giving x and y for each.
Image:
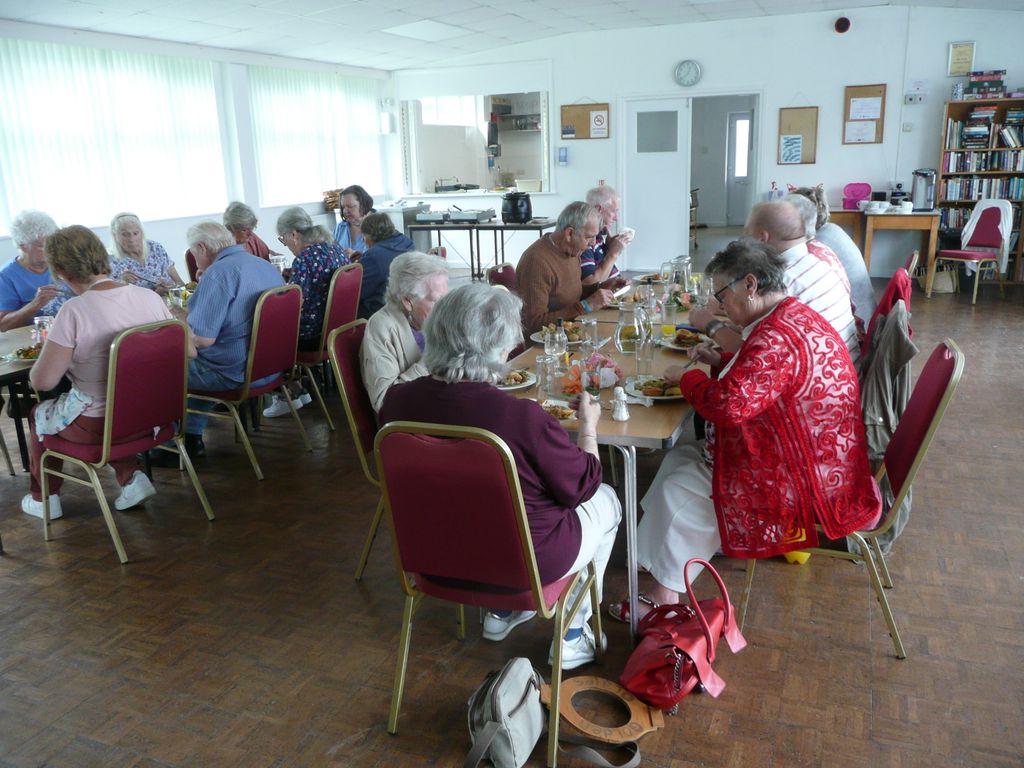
(313, 131)
(88, 132)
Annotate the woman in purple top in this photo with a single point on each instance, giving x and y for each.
(573, 516)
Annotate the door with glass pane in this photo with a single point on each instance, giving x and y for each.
(738, 170)
(656, 189)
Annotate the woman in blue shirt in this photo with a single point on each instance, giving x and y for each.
(355, 204)
(26, 288)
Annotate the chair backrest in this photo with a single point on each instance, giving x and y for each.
(343, 349)
(147, 380)
(274, 340)
(342, 299)
(911, 263)
(504, 275)
(986, 232)
(456, 508)
(899, 287)
(920, 420)
(191, 265)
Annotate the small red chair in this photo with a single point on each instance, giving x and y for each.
(146, 384)
(343, 348)
(983, 246)
(460, 532)
(272, 352)
(503, 274)
(342, 306)
(191, 265)
(903, 458)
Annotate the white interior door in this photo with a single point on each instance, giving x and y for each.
(738, 168)
(656, 190)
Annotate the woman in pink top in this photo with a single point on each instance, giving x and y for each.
(78, 345)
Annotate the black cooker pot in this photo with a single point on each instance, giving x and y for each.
(516, 208)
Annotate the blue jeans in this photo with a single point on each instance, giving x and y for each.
(202, 376)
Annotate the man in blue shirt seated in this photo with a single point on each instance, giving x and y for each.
(26, 289)
(597, 263)
(220, 314)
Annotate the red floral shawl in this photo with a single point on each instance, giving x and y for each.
(789, 437)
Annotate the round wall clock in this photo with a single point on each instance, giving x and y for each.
(688, 73)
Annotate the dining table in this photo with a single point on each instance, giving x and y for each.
(14, 375)
(655, 427)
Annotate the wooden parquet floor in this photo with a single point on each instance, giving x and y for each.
(246, 642)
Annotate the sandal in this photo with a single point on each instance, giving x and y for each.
(620, 611)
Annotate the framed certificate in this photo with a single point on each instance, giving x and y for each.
(961, 59)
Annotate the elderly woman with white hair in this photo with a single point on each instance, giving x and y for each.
(241, 222)
(573, 516)
(394, 339)
(26, 288)
(139, 261)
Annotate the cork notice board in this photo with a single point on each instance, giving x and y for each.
(864, 114)
(585, 121)
(798, 135)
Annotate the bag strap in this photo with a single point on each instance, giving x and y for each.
(730, 629)
(476, 754)
(585, 751)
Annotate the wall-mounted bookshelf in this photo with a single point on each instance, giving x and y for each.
(983, 157)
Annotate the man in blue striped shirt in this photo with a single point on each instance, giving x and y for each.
(220, 314)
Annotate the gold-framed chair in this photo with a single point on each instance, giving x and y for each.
(903, 457)
(471, 548)
(147, 380)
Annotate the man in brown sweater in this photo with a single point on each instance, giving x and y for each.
(548, 274)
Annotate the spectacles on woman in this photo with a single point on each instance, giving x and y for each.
(718, 294)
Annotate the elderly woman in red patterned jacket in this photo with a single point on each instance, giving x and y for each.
(785, 447)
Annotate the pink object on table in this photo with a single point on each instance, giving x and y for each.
(853, 193)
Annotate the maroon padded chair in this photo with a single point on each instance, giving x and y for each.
(461, 533)
(190, 264)
(146, 383)
(342, 306)
(272, 351)
(343, 349)
(503, 274)
(986, 235)
(903, 458)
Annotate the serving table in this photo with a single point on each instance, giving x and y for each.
(657, 427)
(473, 229)
(13, 374)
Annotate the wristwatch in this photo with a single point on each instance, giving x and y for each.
(713, 327)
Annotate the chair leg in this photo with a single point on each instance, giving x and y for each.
(612, 467)
(883, 567)
(977, 279)
(187, 461)
(556, 676)
(44, 482)
(745, 598)
(595, 615)
(105, 509)
(308, 373)
(7, 457)
(403, 662)
(295, 416)
(244, 439)
(460, 618)
(370, 536)
(876, 583)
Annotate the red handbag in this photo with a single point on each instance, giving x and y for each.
(677, 646)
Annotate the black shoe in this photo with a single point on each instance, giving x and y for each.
(195, 446)
(159, 458)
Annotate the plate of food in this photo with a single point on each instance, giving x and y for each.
(25, 354)
(574, 332)
(560, 410)
(654, 388)
(684, 340)
(518, 378)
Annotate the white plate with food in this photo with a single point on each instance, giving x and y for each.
(684, 340)
(560, 410)
(654, 387)
(520, 378)
(24, 355)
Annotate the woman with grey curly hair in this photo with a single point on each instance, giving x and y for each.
(393, 344)
(573, 516)
(26, 288)
(241, 222)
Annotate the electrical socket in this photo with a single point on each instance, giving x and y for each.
(908, 127)
(913, 98)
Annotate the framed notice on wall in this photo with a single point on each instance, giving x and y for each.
(585, 121)
(864, 114)
(961, 59)
(798, 135)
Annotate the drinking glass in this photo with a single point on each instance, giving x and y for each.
(589, 330)
(696, 299)
(547, 377)
(668, 272)
(280, 262)
(555, 342)
(41, 328)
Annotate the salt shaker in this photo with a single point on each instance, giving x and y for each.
(620, 410)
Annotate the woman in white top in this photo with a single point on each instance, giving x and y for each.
(78, 346)
(394, 337)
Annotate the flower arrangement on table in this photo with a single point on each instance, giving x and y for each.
(599, 371)
(681, 298)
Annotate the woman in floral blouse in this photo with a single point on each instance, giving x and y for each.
(139, 261)
(317, 256)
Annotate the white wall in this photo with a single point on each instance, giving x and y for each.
(787, 60)
(709, 138)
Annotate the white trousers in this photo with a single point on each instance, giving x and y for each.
(679, 519)
(599, 518)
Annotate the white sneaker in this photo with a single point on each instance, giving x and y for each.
(35, 508)
(582, 650)
(305, 398)
(279, 406)
(138, 489)
(496, 627)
